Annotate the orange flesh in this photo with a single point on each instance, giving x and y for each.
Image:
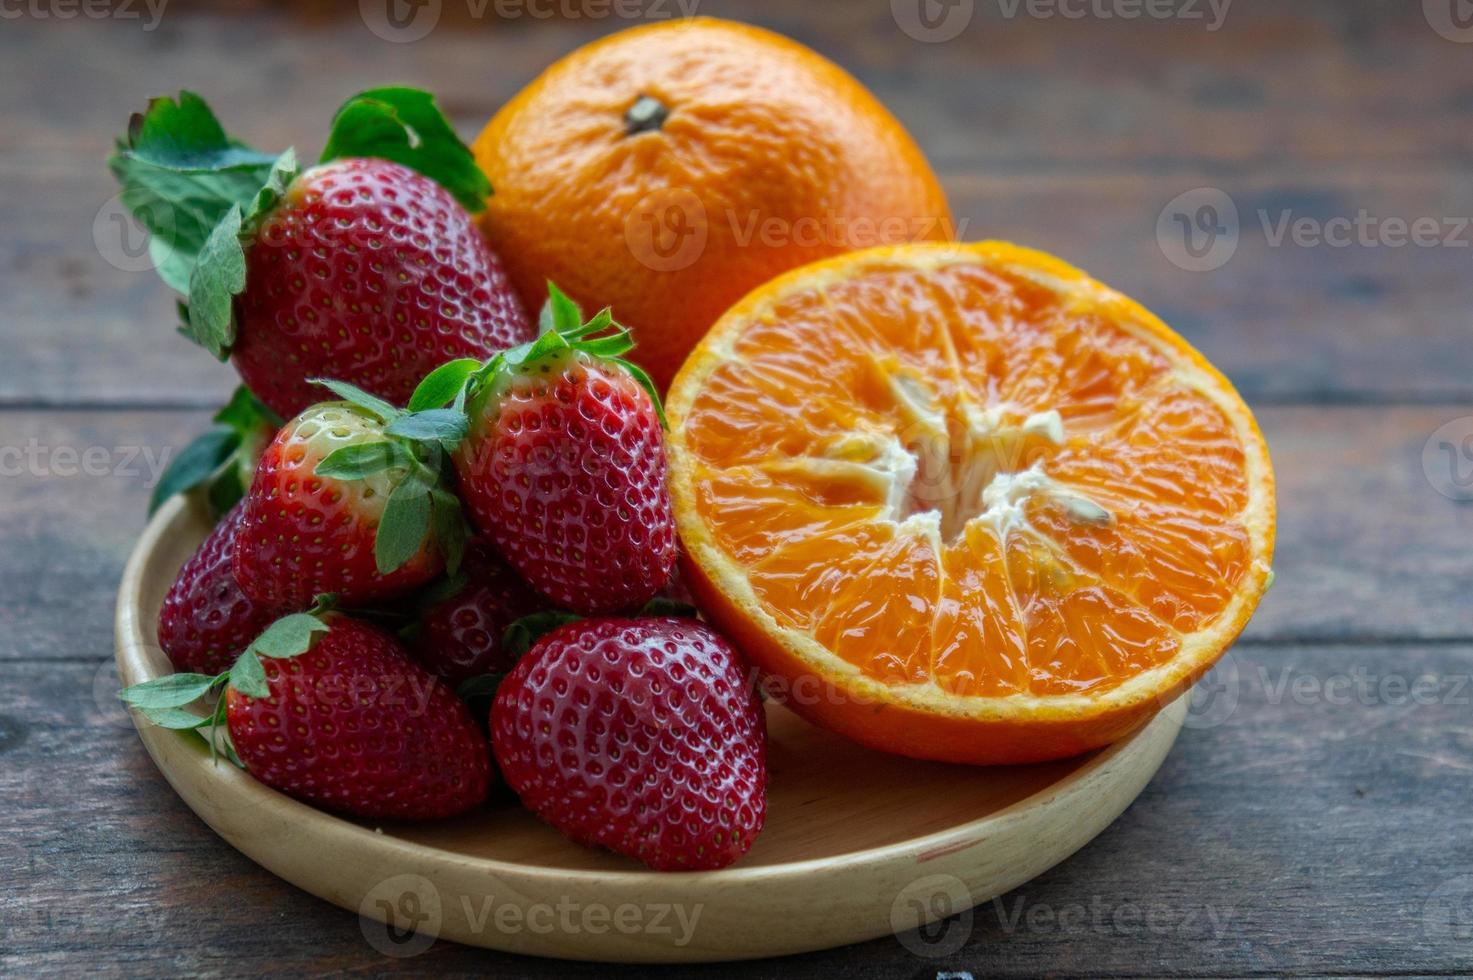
(956, 478)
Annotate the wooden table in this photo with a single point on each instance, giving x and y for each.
(1317, 815)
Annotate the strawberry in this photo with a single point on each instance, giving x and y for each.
(642, 736)
(332, 711)
(366, 267)
(206, 619)
(564, 465)
(462, 627)
(344, 501)
(369, 272)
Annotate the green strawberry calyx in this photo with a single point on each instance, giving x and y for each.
(165, 701)
(561, 330)
(203, 195)
(223, 458)
(417, 443)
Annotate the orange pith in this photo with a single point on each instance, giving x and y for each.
(1000, 511)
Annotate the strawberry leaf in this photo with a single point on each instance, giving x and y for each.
(219, 272)
(195, 464)
(404, 125)
(522, 634)
(648, 384)
(248, 676)
(443, 384)
(218, 276)
(223, 457)
(448, 524)
(176, 718)
(443, 425)
(180, 173)
(404, 525)
(562, 330)
(479, 692)
(559, 313)
(287, 637)
(357, 396)
(169, 691)
(364, 459)
(662, 607)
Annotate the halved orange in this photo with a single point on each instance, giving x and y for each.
(962, 502)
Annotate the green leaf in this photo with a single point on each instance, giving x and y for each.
(245, 412)
(403, 125)
(169, 691)
(364, 459)
(352, 394)
(175, 718)
(248, 676)
(442, 384)
(195, 464)
(662, 606)
(449, 527)
(180, 173)
(480, 692)
(406, 522)
(559, 312)
(522, 634)
(288, 636)
(648, 384)
(219, 271)
(219, 276)
(442, 589)
(443, 425)
(284, 170)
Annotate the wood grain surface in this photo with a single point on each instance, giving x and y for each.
(1313, 819)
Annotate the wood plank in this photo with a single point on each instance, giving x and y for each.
(1368, 550)
(1069, 136)
(1261, 848)
(1344, 80)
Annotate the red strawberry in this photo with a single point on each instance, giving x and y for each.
(564, 467)
(368, 272)
(642, 736)
(206, 619)
(460, 635)
(313, 525)
(354, 725)
(367, 267)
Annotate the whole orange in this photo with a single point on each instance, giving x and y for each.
(668, 169)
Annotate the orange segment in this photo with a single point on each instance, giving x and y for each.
(1000, 511)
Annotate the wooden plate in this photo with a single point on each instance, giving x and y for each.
(858, 844)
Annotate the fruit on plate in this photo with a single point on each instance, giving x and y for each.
(348, 500)
(367, 271)
(642, 736)
(668, 169)
(206, 619)
(366, 267)
(462, 625)
(332, 710)
(564, 465)
(965, 503)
